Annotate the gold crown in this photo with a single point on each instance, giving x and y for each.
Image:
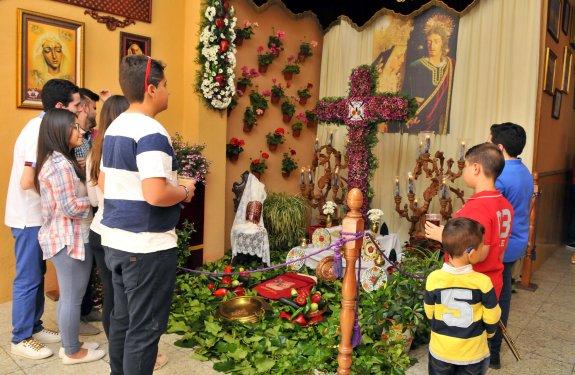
(439, 21)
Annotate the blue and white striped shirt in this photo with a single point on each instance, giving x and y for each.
(137, 147)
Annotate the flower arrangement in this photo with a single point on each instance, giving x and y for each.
(264, 59)
(245, 32)
(275, 43)
(276, 138)
(234, 148)
(304, 94)
(311, 118)
(258, 102)
(296, 129)
(277, 92)
(289, 70)
(288, 109)
(216, 55)
(305, 50)
(258, 166)
(246, 79)
(250, 119)
(288, 163)
(191, 162)
(375, 215)
(329, 208)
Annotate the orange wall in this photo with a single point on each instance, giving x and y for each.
(271, 20)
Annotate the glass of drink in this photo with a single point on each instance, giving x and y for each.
(435, 219)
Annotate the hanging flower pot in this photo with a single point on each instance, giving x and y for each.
(286, 118)
(233, 157)
(239, 40)
(275, 99)
(247, 128)
(288, 76)
(286, 174)
(257, 174)
(296, 133)
(241, 87)
(311, 123)
(302, 101)
(262, 68)
(272, 147)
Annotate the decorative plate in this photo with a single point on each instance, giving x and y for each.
(321, 238)
(368, 250)
(293, 254)
(324, 269)
(373, 279)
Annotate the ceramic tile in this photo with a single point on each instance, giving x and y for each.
(7, 364)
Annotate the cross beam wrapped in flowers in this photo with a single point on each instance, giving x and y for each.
(361, 111)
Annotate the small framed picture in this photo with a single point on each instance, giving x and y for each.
(553, 13)
(566, 19)
(132, 44)
(572, 28)
(557, 104)
(550, 62)
(567, 67)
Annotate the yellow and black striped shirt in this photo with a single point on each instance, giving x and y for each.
(463, 310)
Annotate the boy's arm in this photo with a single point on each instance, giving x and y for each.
(491, 311)
(428, 300)
(433, 232)
(27, 179)
(158, 192)
(479, 255)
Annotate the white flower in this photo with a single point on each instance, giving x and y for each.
(226, 21)
(329, 208)
(210, 13)
(220, 70)
(375, 215)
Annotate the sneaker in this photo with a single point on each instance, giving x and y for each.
(495, 362)
(31, 349)
(47, 336)
(87, 329)
(91, 356)
(93, 316)
(86, 345)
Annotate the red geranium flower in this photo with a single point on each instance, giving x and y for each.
(260, 49)
(280, 131)
(292, 152)
(241, 142)
(265, 155)
(256, 161)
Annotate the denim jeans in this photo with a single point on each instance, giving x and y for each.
(95, 242)
(143, 287)
(505, 305)
(437, 367)
(28, 287)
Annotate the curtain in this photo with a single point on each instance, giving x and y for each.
(495, 80)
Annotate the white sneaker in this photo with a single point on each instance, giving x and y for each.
(86, 345)
(91, 356)
(31, 349)
(47, 336)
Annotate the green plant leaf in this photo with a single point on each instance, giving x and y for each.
(265, 365)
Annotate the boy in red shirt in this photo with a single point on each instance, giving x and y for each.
(483, 164)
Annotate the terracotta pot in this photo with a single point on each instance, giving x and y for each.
(247, 128)
(239, 40)
(257, 174)
(286, 174)
(241, 86)
(272, 147)
(233, 157)
(296, 133)
(302, 101)
(262, 68)
(286, 118)
(311, 123)
(275, 99)
(288, 76)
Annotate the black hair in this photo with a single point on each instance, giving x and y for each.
(489, 156)
(511, 136)
(133, 75)
(57, 91)
(461, 234)
(89, 94)
(55, 130)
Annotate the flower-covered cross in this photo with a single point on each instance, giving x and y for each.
(361, 111)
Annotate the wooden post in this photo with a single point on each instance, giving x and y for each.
(528, 261)
(352, 223)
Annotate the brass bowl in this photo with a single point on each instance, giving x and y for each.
(243, 309)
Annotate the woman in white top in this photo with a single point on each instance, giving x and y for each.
(111, 109)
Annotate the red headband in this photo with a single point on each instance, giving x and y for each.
(147, 77)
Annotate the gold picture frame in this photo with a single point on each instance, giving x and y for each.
(549, 77)
(48, 47)
(567, 67)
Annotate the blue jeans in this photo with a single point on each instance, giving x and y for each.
(437, 367)
(505, 305)
(28, 287)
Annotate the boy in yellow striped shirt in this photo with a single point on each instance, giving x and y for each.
(461, 305)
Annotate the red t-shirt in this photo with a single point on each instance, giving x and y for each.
(495, 213)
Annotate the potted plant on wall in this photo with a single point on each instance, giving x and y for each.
(305, 50)
(277, 92)
(258, 102)
(276, 138)
(191, 162)
(244, 33)
(233, 104)
(311, 118)
(246, 79)
(250, 119)
(296, 129)
(288, 109)
(304, 94)
(289, 70)
(275, 43)
(264, 59)
(288, 163)
(258, 166)
(234, 148)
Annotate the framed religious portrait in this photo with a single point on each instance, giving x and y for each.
(549, 79)
(48, 47)
(553, 13)
(567, 67)
(566, 19)
(556, 111)
(132, 44)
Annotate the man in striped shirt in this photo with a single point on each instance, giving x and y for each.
(460, 304)
(142, 198)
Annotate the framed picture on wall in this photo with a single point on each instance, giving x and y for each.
(556, 104)
(132, 44)
(567, 67)
(48, 47)
(553, 13)
(549, 79)
(566, 19)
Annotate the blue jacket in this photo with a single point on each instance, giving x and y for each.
(516, 184)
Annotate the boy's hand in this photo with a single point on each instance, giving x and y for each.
(105, 94)
(190, 184)
(433, 232)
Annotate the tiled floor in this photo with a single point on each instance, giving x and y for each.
(542, 324)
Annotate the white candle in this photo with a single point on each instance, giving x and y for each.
(410, 186)
(396, 192)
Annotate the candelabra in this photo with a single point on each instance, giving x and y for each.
(439, 173)
(332, 163)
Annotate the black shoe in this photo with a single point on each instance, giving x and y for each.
(495, 363)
